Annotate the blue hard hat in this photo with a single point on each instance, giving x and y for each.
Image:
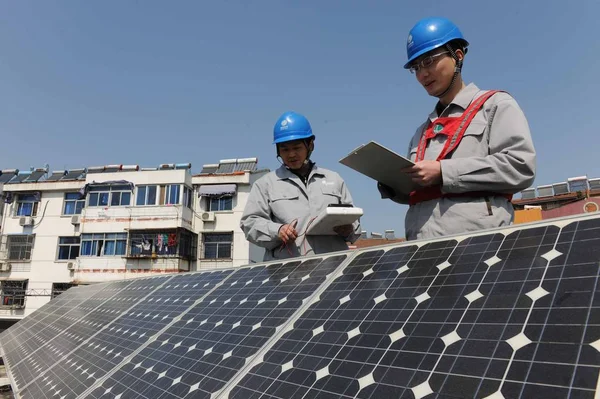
(291, 126)
(429, 34)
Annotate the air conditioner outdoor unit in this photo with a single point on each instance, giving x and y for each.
(26, 221)
(71, 265)
(208, 216)
(75, 220)
(5, 267)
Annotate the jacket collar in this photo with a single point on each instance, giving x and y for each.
(284, 173)
(462, 99)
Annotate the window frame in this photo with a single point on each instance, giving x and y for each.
(99, 244)
(30, 242)
(19, 203)
(188, 197)
(146, 191)
(20, 299)
(218, 244)
(169, 188)
(76, 201)
(110, 191)
(209, 203)
(70, 246)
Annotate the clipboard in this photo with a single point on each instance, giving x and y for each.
(381, 164)
(331, 217)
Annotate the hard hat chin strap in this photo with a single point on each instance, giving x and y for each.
(457, 70)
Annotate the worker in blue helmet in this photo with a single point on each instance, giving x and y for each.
(473, 152)
(283, 203)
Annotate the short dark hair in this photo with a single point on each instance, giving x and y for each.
(458, 44)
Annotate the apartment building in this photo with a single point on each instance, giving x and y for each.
(94, 224)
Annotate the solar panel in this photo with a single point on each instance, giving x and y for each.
(17, 340)
(6, 177)
(35, 344)
(110, 332)
(95, 169)
(35, 176)
(509, 313)
(212, 168)
(20, 177)
(57, 175)
(226, 167)
(245, 166)
(200, 353)
(494, 316)
(74, 174)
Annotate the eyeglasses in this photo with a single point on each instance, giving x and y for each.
(425, 62)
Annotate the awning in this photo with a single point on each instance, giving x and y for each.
(217, 190)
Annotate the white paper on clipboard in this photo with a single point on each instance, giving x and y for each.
(331, 217)
(381, 164)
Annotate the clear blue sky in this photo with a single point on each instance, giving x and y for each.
(145, 82)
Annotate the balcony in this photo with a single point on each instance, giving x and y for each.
(95, 219)
(161, 244)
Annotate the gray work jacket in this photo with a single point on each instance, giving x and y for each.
(280, 197)
(496, 154)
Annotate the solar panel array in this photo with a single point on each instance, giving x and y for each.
(511, 313)
(231, 166)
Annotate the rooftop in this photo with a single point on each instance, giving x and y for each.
(574, 187)
(40, 175)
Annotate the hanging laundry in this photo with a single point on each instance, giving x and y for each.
(172, 242)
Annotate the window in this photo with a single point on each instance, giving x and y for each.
(27, 205)
(73, 204)
(116, 195)
(59, 288)
(146, 195)
(13, 293)
(103, 244)
(20, 247)
(68, 248)
(172, 194)
(218, 245)
(188, 197)
(219, 204)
